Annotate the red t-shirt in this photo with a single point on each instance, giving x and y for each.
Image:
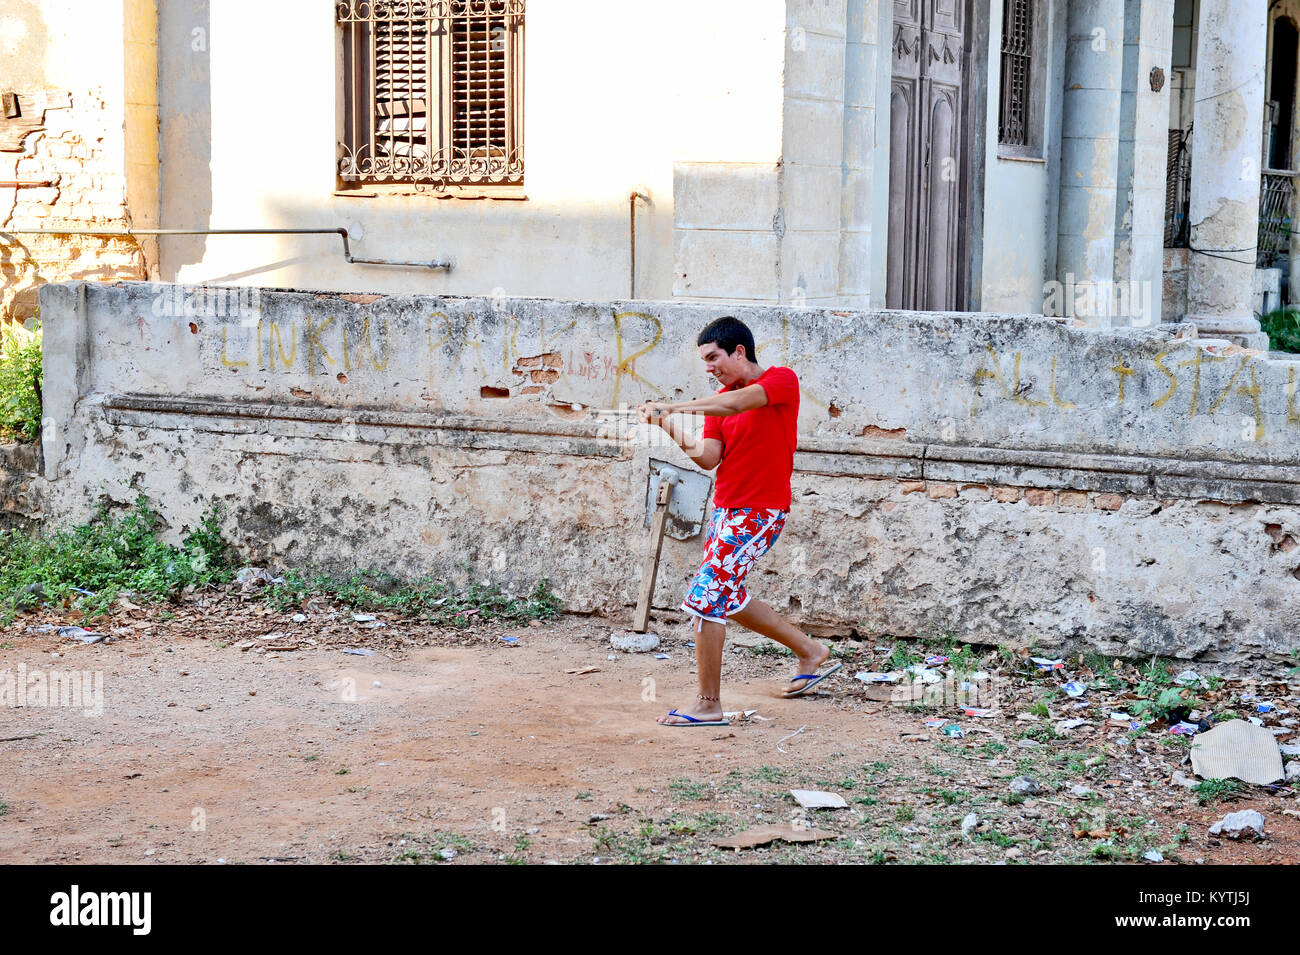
(758, 445)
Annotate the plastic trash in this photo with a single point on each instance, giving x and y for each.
(660, 656)
(871, 677)
(1074, 688)
(509, 639)
(299, 618)
(1153, 855)
(79, 633)
(935, 724)
(1066, 725)
(361, 653)
(1048, 665)
(954, 731)
(935, 659)
(1184, 728)
(922, 674)
(1264, 708)
(1188, 676)
(363, 617)
(978, 711)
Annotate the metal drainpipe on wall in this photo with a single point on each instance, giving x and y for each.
(631, 205)
(447, 264)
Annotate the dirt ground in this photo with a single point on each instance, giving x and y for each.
(448, 747)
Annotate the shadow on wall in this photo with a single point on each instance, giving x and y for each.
(566, 252)
(185, 129)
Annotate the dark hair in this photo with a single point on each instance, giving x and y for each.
(727, 333)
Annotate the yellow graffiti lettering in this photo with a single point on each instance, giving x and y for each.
(279, 343)
(314, 342)
(365, 343)
(1055, 400)
(1173, 382)
(1018, 396)
(1291, 416)
(1253, 392)
(1231, 381)
(1123, 371)
(1196, 380)
(624, 366)
(225, 361)
(433, 346)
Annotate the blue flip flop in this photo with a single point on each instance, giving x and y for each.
(812, 678)
(694, 721)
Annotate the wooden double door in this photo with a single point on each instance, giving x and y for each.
(930, 134)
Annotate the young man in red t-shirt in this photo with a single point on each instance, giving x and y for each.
(749, 435)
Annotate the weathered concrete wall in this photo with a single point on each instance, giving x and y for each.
(1008, 477)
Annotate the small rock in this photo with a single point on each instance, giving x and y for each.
(1082, 792)
(299, 618)
(252, 693)
(631, 642)
(1186, 782)
(1236, 825)
(535, 623)
(203, 706)
(1013, 853)
(812, 799)
(1025, 785)
(1028, 743)
(969, 822)
(598, 817)
(448, 854)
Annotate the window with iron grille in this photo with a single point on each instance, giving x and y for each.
(433, 92)
(1017, 57)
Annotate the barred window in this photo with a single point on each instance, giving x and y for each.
(1015, 115)
(433, 92)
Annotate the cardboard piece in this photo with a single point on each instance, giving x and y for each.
(1237, 750)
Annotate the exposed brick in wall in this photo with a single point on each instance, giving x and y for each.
(87, 189)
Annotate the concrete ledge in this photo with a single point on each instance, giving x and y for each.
(833, 456)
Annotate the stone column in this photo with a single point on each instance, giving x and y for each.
(1226, 134)
(1090, 123)
(1143, 152)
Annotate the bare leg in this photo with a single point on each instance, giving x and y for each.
(708, 665)
(761, 618)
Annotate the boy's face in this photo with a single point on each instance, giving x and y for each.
(725, 368)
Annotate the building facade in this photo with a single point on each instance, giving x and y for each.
(1023, 156)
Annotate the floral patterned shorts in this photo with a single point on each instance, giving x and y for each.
(737, 538)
